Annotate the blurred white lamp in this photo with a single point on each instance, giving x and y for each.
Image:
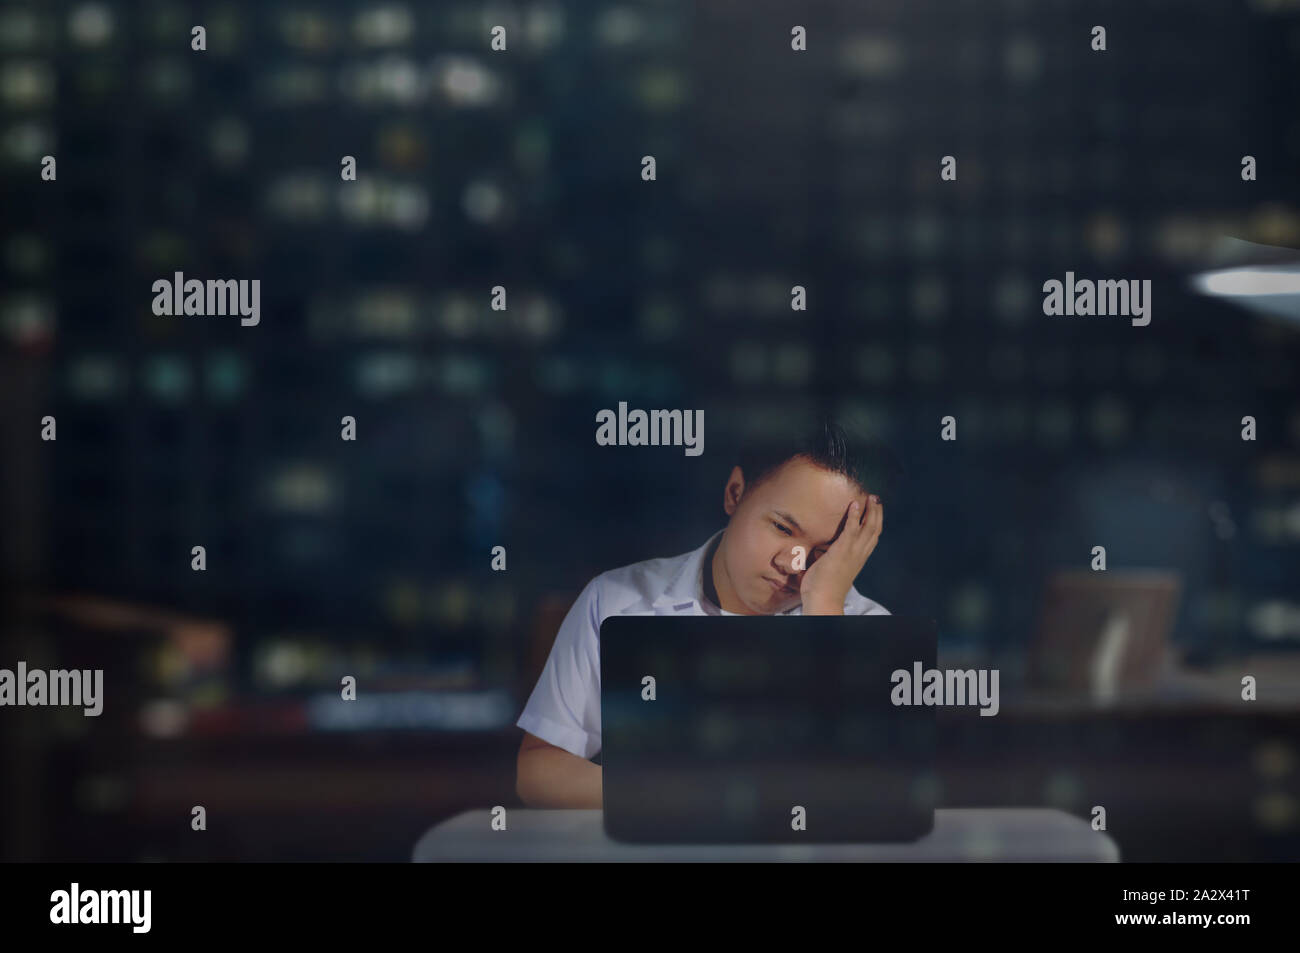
(1261, 278)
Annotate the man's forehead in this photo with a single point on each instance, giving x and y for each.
(810, 496)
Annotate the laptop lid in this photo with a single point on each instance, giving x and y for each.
(765, 729)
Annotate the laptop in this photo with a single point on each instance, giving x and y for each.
(764, 729)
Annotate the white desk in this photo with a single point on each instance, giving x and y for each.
(960, 834)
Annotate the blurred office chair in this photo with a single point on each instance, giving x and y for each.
(1103, 633)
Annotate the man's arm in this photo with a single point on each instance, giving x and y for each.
(549, 776)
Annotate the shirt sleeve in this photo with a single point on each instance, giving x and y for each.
(564, 708)
(858, 604)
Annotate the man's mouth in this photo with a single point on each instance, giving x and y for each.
(780, 587)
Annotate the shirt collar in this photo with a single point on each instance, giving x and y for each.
(685, 589)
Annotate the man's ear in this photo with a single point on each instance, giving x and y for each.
(733, 491)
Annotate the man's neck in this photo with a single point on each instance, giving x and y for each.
(711, 590)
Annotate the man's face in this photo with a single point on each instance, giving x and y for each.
(799, 504)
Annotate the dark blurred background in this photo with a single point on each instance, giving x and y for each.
(475, 428)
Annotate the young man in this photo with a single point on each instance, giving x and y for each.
(808, 504)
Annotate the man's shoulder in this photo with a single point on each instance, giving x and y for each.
(638, 585)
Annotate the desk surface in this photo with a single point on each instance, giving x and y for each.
(960, 834)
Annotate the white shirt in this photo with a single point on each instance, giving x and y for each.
(564, 708)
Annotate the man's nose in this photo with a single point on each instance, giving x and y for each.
(784, 563)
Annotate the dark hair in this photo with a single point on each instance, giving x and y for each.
(872, 465)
